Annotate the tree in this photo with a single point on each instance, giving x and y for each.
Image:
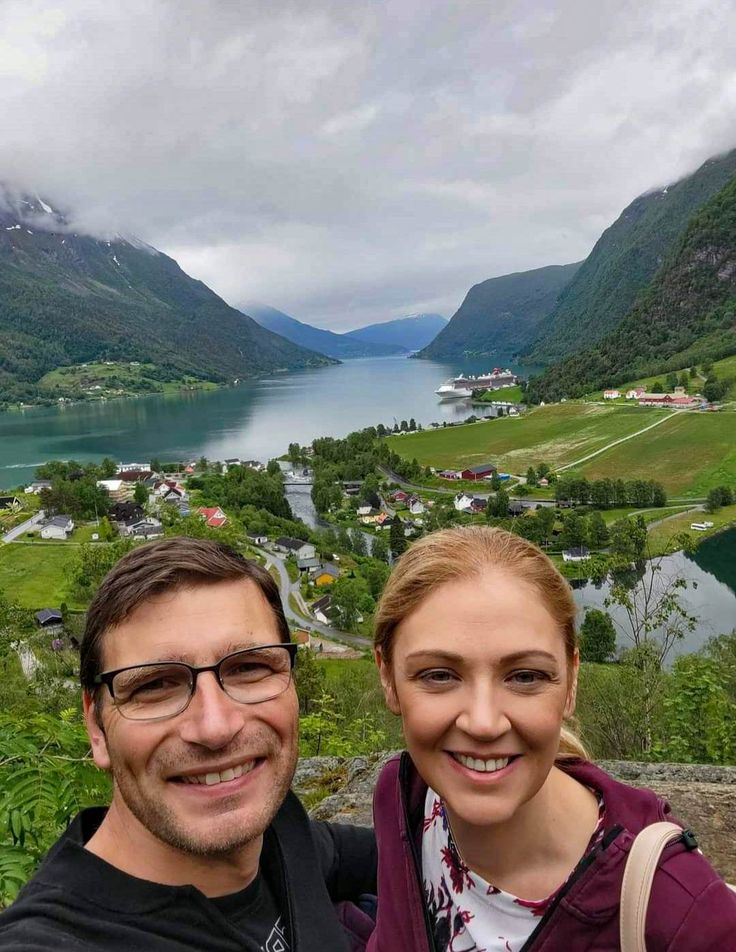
(358, 543)
(498, 505)
(671, 381)
(531, 477)
(546, 519)
(693, 371)
(379, 549)
(397, 539)
(573, 531)
(273, 468)
(597, 531)
(412, 425)
(597, 636)
(346, 594)
(657, 387)
(629, 538)
(140, 494)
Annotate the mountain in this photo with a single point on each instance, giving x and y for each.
(686, 316)
(326, 342)
(411, 333)
(502, 314)
(624, 261)
(67, 298)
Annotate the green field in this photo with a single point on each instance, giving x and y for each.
(34, 576)
(660, 535)
(689, 456)
(115, 379)
(505, 394)
(557, 434)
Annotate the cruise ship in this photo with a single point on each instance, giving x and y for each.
(457, 388)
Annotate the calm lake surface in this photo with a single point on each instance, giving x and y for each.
(256, 420)
(710, 596)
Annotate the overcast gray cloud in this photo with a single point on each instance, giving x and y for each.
(350, 163)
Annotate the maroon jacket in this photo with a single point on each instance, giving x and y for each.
(690, 910)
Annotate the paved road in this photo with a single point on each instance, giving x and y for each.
(23, 527)
(288, 587)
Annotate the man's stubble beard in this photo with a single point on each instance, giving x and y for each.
(164, 823)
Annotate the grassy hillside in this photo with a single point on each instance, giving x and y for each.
(689, 456)
(687, 315)
(501, 315)
(624, 261)
(67, 298)
(557, 435)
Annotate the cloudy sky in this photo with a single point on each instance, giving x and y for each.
(354, 162)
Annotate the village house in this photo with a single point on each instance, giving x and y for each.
(116, 489)
(611, 394)
(57, 527)
(676, 401)
(301, 637)
(416, 506)
(577, 554)
(133, 467)
(136, 476)
(307, 565)
(49, 618)
(463, 502)
(37, 485)
(125, 512)
(147, 528)
(371, 516)
(257, 538)
(251, 464)
(213, 516)
(321, 607)
(478, 472)
(449, 474)
(296, 547)
(399, 496)
(635, 394)
(477, 504)
(326, 574)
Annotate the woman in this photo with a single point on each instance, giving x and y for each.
(495, 832)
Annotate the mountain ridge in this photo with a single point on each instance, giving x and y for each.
(687, 315)
(411, 332)
(625, 260)
(323, 341)
(501, 314)
(68, 298)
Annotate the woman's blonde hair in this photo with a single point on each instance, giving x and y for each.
(461, 553)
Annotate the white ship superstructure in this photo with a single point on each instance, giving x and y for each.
(462, 387)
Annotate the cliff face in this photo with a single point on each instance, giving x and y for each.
(703, 798)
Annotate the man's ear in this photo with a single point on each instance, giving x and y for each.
(387, 682)
(95, 731)
(572, 685)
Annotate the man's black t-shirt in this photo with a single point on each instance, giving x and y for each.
(76, 902)
(256, 913)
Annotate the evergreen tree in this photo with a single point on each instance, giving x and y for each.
(379, 549)
(597, 636)
(397, 539)
(597, 531)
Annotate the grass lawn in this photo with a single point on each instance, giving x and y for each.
(660, 536)
(114, 377)
(689, 456)
(504, 395)
(556, 434)
(34, 576)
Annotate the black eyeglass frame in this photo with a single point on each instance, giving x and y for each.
(107, 677)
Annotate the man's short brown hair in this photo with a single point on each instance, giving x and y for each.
(165, 566)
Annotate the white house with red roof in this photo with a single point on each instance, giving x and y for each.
(213, 516)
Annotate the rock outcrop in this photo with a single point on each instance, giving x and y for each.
(703, 797)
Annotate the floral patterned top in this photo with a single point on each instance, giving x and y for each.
(467, 913)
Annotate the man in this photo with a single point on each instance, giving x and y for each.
(189, 702)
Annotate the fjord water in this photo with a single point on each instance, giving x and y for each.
(256, 420)
(259, 419)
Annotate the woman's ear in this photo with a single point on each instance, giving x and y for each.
(96, 732)
(572, 685)
(387, 682)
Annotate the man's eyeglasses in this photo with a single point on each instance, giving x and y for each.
(161, 689)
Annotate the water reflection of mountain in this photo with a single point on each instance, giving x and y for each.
(717, 556)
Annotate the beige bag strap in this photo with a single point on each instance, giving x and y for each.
(641, 866)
